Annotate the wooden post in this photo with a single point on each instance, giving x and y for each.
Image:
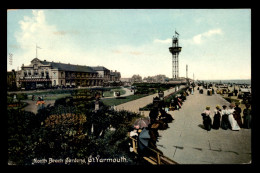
(134, 145)
(158, 159)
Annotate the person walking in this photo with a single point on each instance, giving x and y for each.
(217, 117)
(232, 121)
(207, 122)
(237, 115)
(176, 103)
(224, 119)
(247, 117)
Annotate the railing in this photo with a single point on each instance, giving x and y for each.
(85, 77)
(160, 158)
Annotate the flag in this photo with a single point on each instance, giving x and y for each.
(176, 33)
(37, 47)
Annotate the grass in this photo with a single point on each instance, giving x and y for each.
(121, 100)
(23, 104)
(50, 96)
(111, 92)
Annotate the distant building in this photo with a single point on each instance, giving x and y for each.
(11, 80)
(126, 81)
(46, 74)
(115, 79)
(115, 76)
(136, 78)
(155, 79)
(103, 72)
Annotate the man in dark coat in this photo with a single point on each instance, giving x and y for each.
(153, 115)
(237, 115)
(167, 118)
(247, 117)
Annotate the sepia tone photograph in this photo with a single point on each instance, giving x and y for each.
(129, 87)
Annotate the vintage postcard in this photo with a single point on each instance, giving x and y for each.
(129, 86)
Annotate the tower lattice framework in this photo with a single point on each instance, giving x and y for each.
(175, 50)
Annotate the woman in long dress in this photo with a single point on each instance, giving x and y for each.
(224, 119)
(207, 122)
(232, 121)
(217, 117)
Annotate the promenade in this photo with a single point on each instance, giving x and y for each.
(187, 142)
(134, 105)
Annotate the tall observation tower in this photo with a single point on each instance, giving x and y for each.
(175, 50)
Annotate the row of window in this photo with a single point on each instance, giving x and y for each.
(67, 74)
(35, 73)
(71, 82)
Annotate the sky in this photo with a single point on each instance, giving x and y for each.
(216, 43)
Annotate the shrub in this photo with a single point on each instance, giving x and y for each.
(61, 132)
(21, 132)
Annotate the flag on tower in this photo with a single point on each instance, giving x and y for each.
(176, 33)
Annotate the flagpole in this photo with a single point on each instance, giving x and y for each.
(36, 50)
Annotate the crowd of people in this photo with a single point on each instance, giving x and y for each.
(177, 101)
(158, 120)
(227, 118)
(145, 131)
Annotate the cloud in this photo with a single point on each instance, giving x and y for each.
(65, 32)
(200, 38)
(136, 53)
(166, 41)
(127, 50)
(34, 30)
(57, 45)
(117, 51)
(59, 33)
(61, 45)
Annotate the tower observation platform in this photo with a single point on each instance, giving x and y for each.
(175, 50)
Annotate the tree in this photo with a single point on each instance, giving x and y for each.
(74, 132)
(21, 129)
(136, 78)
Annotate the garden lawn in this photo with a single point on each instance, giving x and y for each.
(111, 92)
(50, 96)
(121, 100)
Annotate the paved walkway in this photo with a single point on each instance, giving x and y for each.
(32, 107)
(186, 142)
(127, 93)
(134, 105)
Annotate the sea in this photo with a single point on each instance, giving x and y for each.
(232, 81)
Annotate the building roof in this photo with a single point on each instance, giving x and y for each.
(117, 74)
(70, 67)
(99, 68)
